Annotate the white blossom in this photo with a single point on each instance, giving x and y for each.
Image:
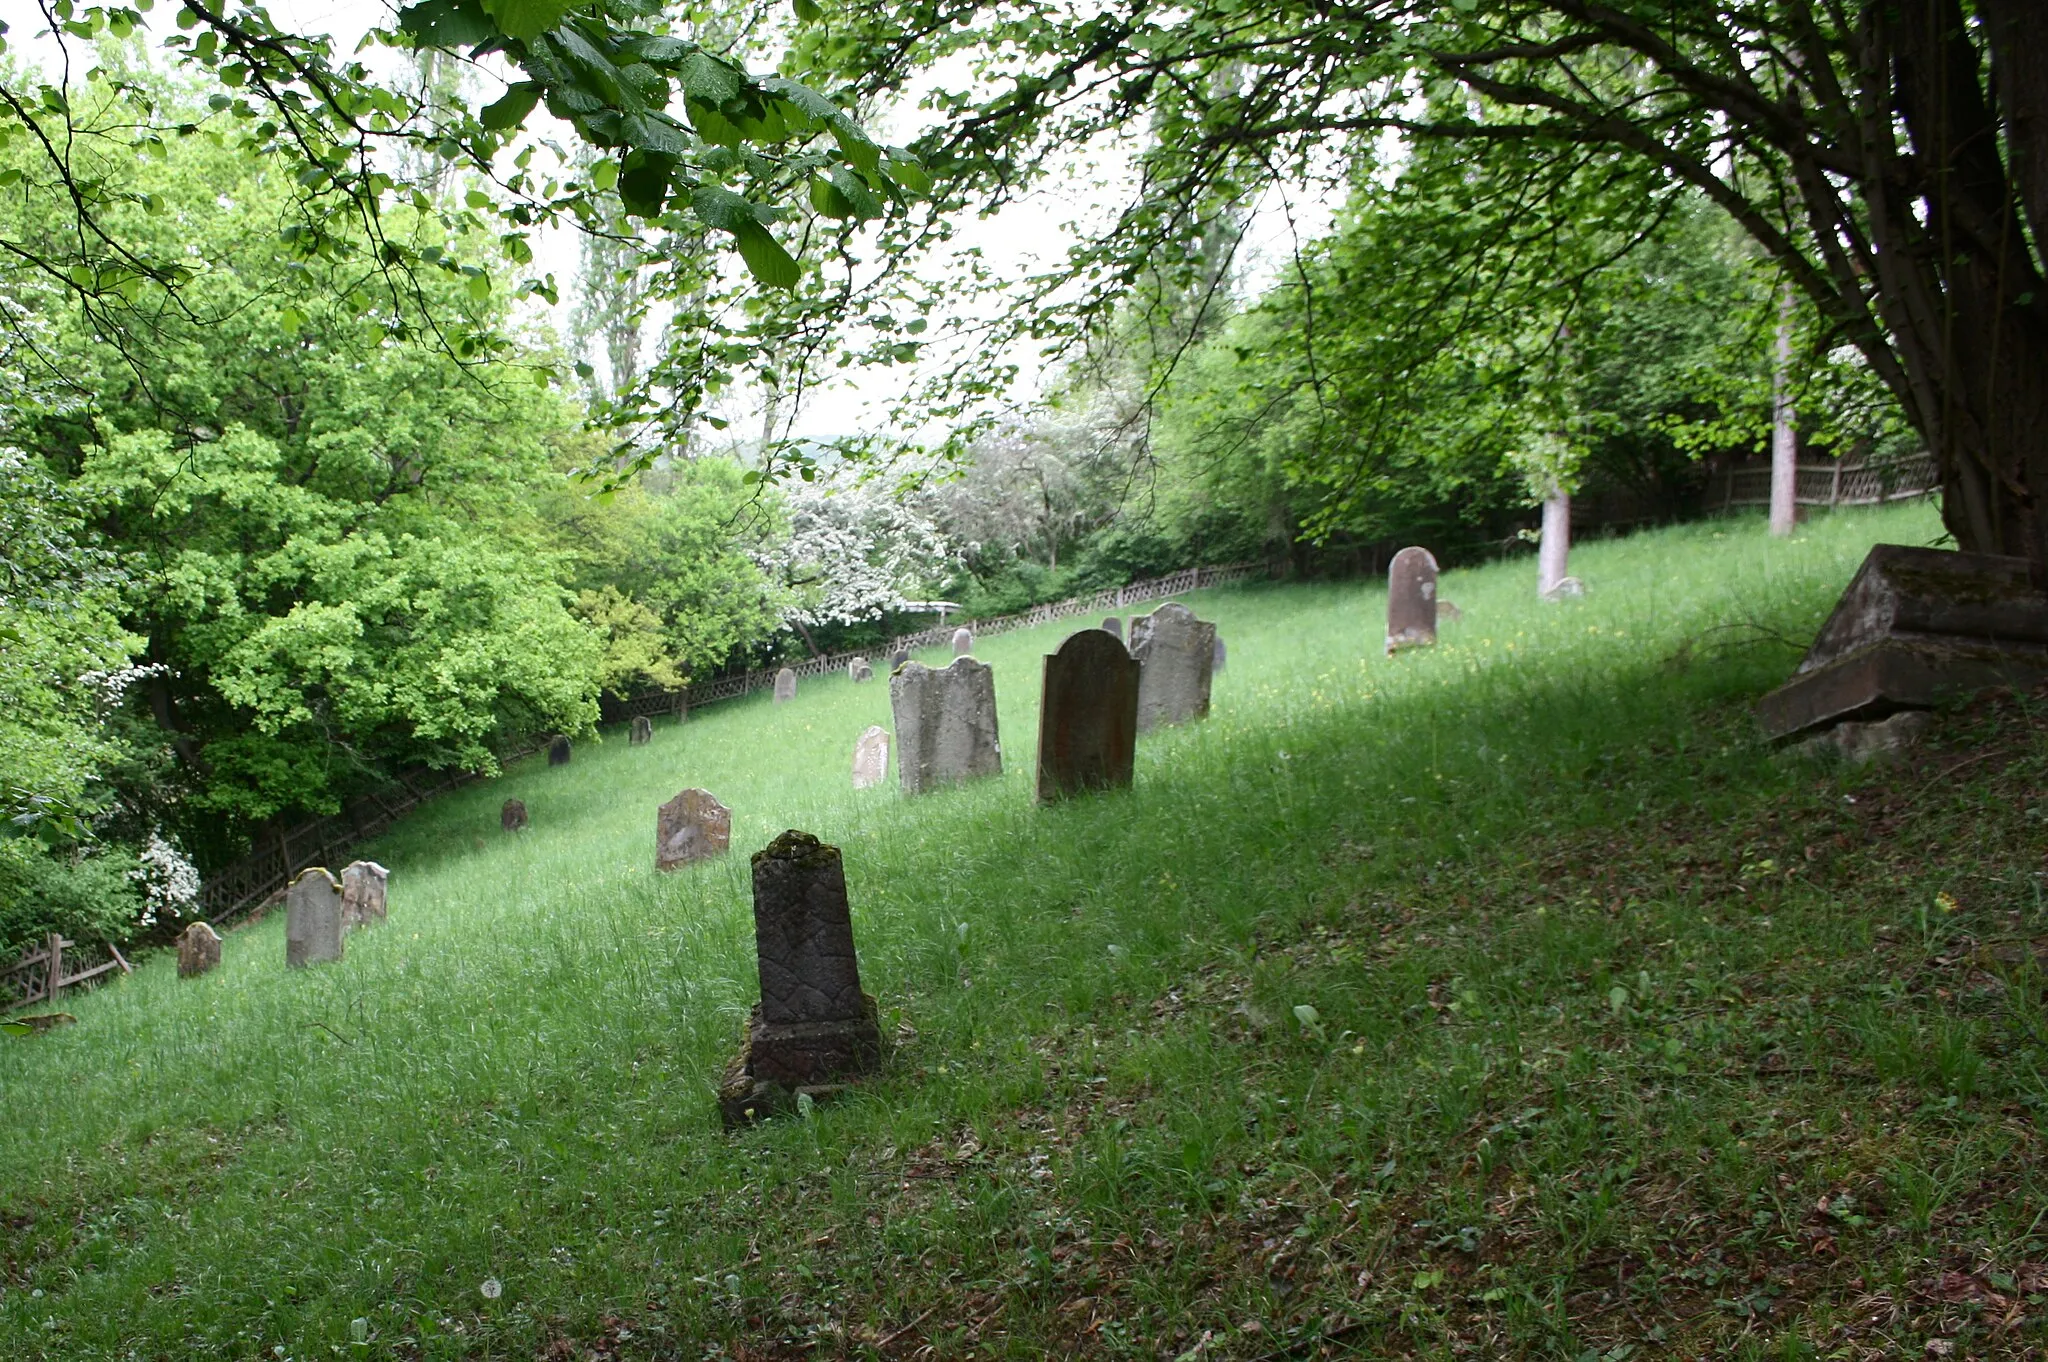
(170, 883)
(853, 551)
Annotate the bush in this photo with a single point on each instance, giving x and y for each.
(91, 897)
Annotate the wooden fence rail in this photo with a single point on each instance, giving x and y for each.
(1829, 484)
(47, 970)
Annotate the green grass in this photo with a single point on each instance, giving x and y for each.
(1505, 999)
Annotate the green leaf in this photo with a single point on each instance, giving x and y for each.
(527, 19)
(441, 23)
(15, 1028)
(604, 175)
(644, 181)
(511, 109)
(480, 288)
(766, 260)
(829, 201)
(807, 11)
(707, 78)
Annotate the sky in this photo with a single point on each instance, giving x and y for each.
(1023, 239)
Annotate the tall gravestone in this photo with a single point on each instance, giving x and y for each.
(963, 641)
(1411, 600)
(785, 686)
(1087, 716)
(362, 893)
(945, 724)
(312, 921)
(871, 758)
(643, 732)
(558, 750)
(691, 827)
(512, 817)
(1178, 655)
(814, 1028)
(1114, 624)
(198, 950)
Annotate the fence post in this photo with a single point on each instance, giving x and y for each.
(56, 977)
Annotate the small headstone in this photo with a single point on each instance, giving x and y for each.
(963, 641)
(312, 919)
(1411, 600)
(898, 658)
(1178, 655)
(643, 731)
(558, 750)
(1115, 625)
(945, 724)
(1445, 610)
(1087, 716)
(860, 671)
(814, 1028)
(1565, 589)
(691, 827)
(513, 816)
(871, 758)
(362, 893)
(1222, 656)
(198, 950)
(785, 686)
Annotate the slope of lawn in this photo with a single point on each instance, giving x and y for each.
(1505, 999)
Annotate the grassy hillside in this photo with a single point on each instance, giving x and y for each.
(1509, 998)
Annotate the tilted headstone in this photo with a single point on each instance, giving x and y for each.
(785, 686)
(1222, 656)
(312, 922)
(814, 1028)
(1087, 716)
(512, 817)
(1114, 624)
(860, 671)
(1411, 600)
(558, 751)
(198, 950)
(871, 758)
(945, 724)
(898, 658)
(963, 641)
(1178, 656)
(691, 827)
(362, 893)
(643, 731)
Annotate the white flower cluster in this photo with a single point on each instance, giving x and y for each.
(109, 686)
(170, 883)
(853, 550)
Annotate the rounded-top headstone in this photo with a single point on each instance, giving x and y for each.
(1178, 654)
(963, 641)
(1114, 624)
(558, 750)
(512, 817)
(1411, 600)
(898, 658)
(785, 686)
(312, 923)
(642, 732)
(871, 758)
(363, 897)
(198, 950)
(1087, 716)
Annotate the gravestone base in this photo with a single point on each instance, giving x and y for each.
(1893, 675)
(781, 1061)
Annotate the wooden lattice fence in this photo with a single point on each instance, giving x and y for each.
(1829, 484)
(44, 972)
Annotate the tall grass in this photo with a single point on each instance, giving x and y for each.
(511, 1082)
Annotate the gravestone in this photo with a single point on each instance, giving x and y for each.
(312, 919)
(814, 1028)
(198, 950)
(362, 893)
(860, 671)
(1411, 600)
(1222, 656)
(1087, 716)
(1178, 656)
(691, 827)
(963, 641)
(558, 750)
(1445, 610)
(513, 816)
(785, 686)
(945, 724)
(1115, 625)
(643, 732)
(898, 658)
(871, 758)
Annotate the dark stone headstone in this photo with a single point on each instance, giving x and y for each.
(814, 1028)
(898, 658)
(1411, 600)
(691, 827)
(1915, 627)
(1087, 716)
(1178, 656)
(312, 923)
(363, 893)
(785, 686)
(198, 950)
(1114, 624)
(963, 641)
(558, 750)
(945, 724)
(1222, 656)
(642, 733)
(512, 817)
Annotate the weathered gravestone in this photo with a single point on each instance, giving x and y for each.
(871, 758)
(198, 950)
(814, 1028)
(963, 641)
(860, 671)
(643, 732)
(945, 724)
(1411, 600)
(558, 750)
(785, 686)
(362, 893)
(312, 919)
(1178, 655)
(1915, 627)
(1114, 624)
(1445, 610)
(1222, 656)
(512, 817)
(691, 827)
(898, 658)
(1087, 716)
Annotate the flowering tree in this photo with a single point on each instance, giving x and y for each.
(854, 550)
